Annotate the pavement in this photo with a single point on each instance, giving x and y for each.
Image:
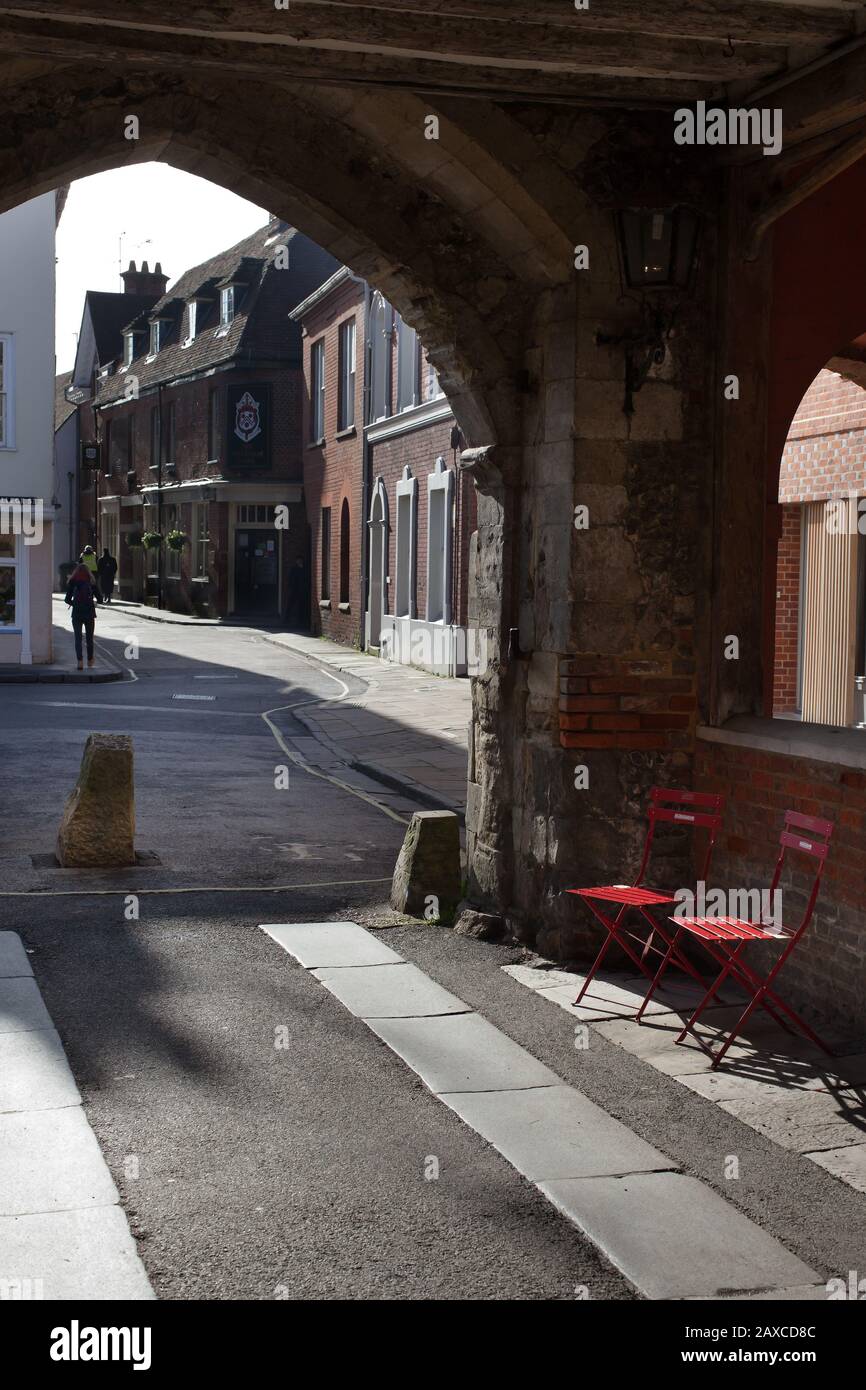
(269, 1137)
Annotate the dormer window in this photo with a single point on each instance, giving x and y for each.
(227, 305)
(128, 349)
(155, 336)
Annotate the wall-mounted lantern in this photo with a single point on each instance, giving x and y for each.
(657, 246)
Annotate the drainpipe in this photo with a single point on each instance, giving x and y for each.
(160, 561)
(366, 479)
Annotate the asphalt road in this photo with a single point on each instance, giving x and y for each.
(250, 1170)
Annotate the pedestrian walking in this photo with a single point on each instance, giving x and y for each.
(81, 597)
(106, 568)
(88, 558)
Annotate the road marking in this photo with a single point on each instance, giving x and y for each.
(156, 892)
(152, 709)
(316, 772)
(193, 697)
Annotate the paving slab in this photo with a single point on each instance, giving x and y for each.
(847, 1163)
(462, 1052)
(399, 990)
(14, 961)
(85, 1254)
(769, 1079)
(804, 1121)
(21, 1006)
(50, 1161)
(653, 1042)
(555, 1132)
(602, 1001)
(34, 1072)
(673, 1237)
(315, 944)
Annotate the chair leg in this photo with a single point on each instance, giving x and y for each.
(665, 961)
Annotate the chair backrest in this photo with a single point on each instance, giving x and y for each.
(804, 835)
(682, 807)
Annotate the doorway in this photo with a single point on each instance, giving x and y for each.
(378, 563)
(257, 571)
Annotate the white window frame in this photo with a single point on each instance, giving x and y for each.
(317, 391)
(7, 391)
(380, 358)
(227, 305)
(408, 367)
(191, 322)
(155, 338)
(128, 349)
(441, 480)
(19, 561)
(406, 549)
(347, 356)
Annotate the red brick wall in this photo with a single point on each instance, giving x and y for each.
(615, 702)
(827, 971)
(825, 451)
(333, 471)
(787, 613)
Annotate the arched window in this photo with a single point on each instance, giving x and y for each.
(345, 536)
(440, 484)
(380, 355)
(407, 508)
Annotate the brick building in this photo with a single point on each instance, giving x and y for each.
(197, 414)
(820, 651)
(390, 514)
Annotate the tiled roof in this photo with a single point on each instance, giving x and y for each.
(62, 407)
(109, 314)
(247, 262)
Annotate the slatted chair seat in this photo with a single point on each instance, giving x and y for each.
(631, 897)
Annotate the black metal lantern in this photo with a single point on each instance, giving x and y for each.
(657, 246)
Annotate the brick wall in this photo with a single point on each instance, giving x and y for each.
(826, 972)
(615, 702)
(825, 452)
(787, 613)
(334, 470)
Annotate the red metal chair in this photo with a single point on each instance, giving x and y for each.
(725, 938)
(666, 804)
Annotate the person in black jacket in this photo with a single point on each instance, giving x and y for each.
(81, 597)
(106, 568)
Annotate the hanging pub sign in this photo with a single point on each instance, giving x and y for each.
(249, 426)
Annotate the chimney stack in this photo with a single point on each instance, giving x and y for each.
(144, 281)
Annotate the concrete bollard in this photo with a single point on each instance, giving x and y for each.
(426, 879)
(98, 825)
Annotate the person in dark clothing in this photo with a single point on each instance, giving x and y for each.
(81, 597)
(106, 569)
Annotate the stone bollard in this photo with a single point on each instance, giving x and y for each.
(98, 825)
(426, 879)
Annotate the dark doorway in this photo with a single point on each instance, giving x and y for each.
(256, 571)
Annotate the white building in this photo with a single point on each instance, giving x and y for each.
(27, 428)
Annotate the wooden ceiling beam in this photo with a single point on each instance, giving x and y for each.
(747, 21)
(567, 49)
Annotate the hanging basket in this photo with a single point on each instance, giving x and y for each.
(176, 540)
(151, 540)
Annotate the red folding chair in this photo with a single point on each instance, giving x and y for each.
(725, 938)
(666, 804)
